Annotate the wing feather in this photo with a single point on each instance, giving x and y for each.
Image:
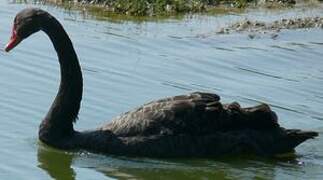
(185, 114)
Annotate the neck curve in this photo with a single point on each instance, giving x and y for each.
(58, 123)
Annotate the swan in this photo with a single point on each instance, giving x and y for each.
(192, 125)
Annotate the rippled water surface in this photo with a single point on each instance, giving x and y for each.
(126, 64)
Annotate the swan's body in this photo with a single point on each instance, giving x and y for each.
(182, 126)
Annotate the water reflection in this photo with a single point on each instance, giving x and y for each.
(59, 165)
(56, 163)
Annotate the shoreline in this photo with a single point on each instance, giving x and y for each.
(153, 8)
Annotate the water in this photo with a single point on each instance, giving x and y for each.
(127, 63)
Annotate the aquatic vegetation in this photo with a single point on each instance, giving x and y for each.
(165, 7)
(159, 7)
(259, 26)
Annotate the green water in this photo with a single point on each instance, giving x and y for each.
(127, 63)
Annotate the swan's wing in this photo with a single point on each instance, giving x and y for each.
(185, 114)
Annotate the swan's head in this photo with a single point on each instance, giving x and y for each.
(26, 23)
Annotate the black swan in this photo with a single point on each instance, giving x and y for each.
(193, 125)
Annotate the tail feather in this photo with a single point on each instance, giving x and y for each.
(294, 137)
(300, 135)
(283, 140)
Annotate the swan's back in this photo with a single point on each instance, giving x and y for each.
(194, 114)
(171, 115)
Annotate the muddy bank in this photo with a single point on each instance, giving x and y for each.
(273, 27)
(169, 7)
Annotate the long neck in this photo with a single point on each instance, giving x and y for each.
(58, 122)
